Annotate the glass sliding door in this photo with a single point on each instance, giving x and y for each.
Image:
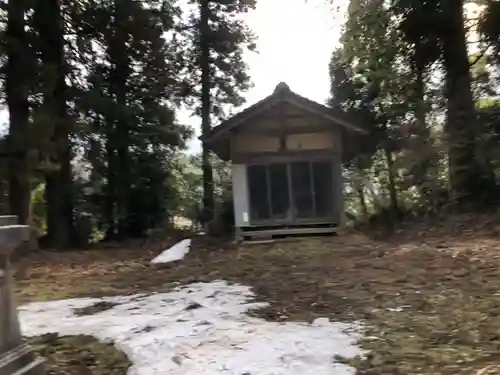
(287, 193)
(269, 193)
(279, 192)
(258, 191)
(302, 193)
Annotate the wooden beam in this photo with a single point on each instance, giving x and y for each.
(291, 200)
(312, 187)
(282, 157)
(287, 129)
(284, 116)
(282, 127)
(288, 231)
(268, 191)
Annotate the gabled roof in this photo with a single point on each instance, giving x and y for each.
(283, 94)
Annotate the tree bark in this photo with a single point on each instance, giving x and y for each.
(422, 173)
(16, 86)
(49, 24)
(110, 197)
(393, 194)
(467, 176)
(362, 201)
(121, 65)
(206, 104)
(420, 111)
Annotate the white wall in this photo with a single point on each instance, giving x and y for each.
(240, 195)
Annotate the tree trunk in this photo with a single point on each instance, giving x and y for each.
(362, 201)
(422, 152)
(121, 65)
(208, 178)
(420, 111)
(374, 197)
(467, 177)
(110, 197)
(49, 24)
(393, 194)
(16, 86)
(359, 186)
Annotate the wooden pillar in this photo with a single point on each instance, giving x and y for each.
(339, 190)
(15, 355)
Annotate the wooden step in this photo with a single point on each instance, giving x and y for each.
(8, 220)
(268, 233)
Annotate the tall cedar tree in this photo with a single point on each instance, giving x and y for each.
(17, 87)
(465, 172)
(215, 72)
(48, 22)
(128, 100)
(206, 109)
(426, 23)
(121, 70)
(371, 47)
(418, 33)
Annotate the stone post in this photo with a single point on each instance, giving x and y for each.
(15, 355)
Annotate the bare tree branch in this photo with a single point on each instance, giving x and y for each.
(479, 57)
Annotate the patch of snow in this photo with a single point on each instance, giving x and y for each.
(176, 252)
(200, 329)
(319, 322)
(398, 309)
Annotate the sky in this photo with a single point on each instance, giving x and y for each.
(295, 39)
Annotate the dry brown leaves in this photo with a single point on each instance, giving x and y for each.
(431, 302)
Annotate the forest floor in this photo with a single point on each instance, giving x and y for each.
(429, 296)
(79, 355)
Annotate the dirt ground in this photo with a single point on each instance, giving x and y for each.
(429, 296)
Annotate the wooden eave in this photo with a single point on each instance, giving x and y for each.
(217, 139)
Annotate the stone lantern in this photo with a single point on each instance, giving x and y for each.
(16, 356)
